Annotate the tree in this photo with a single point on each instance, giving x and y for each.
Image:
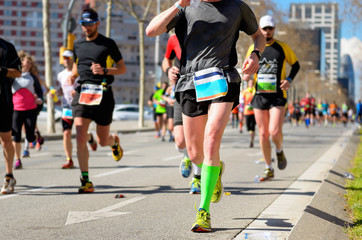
(48, 65)
(139, 10)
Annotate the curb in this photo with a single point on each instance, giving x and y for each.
(325, 217)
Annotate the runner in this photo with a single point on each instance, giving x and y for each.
(333, 108)
(161, 112)
(247, 96)
(26, 90)
(270, 97)
(306, 105)
(207, 36)
(10, 68)
(173, 53)
(93, 100)
(66, 90)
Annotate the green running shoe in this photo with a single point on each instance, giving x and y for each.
(219, 189)
(268, 174)
(202, 222)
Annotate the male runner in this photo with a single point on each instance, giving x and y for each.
(270, 97)
(67, 90)
(10, 68)
(173, 53)
(209, 86)
(93, 100)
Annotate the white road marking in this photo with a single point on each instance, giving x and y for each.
(172, 158)
(2, 197)
(290, 205)
(115, 171)
(78, 217)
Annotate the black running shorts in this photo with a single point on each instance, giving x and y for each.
(67, 123)
(177, 114)
(101, 114)
(190, 107)
(6, 119)
(267, 101)
(250, 122)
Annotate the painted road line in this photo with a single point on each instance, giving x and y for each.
(2, 197)
(116, 171)
(283, 214)
(172, 158)
(78, 217)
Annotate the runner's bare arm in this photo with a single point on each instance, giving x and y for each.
(251, 63)
(158, 24)
(13, 73)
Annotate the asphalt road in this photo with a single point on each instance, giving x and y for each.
(157, 205)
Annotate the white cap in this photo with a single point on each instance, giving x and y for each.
(266, 21)
(68, 53)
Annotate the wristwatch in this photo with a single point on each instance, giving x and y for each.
(257, 52)
(105, 71)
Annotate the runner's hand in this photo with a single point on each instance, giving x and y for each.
(71, 80)
(97, 69)
(173, 73)
(284, 84)
(251, 64)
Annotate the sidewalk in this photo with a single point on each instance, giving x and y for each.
(120, 127)
(325, 217)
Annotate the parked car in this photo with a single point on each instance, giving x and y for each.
(130, 112)
(43, 115)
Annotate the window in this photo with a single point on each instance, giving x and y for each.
(308, 12)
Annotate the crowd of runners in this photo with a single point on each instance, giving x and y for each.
(192, 110)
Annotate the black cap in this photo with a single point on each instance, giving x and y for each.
(89, 16)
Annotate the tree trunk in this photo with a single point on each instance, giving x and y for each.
(142, 74)
(108, 20)
(48, 66)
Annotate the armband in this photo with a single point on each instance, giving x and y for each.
(178, 6)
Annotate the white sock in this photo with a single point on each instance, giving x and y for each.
(269, 166)
(183, 150)
(197, 170)
(278, 150)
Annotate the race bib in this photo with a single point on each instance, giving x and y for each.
(67, 113)
(267, 83)
(91, 94)
(210, 84)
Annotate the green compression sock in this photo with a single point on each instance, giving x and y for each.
(209, 176)
(85, 176)
(200, 165)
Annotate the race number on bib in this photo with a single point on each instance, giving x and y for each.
(210, 84)
(267, 83)
(91, 94)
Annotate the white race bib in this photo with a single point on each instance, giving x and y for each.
(91, 94)
(267, 83)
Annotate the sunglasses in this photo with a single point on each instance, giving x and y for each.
(268, 28)
(67, 58)
(85, 24)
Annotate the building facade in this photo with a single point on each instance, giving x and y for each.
(324, 17)
(21, 23)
